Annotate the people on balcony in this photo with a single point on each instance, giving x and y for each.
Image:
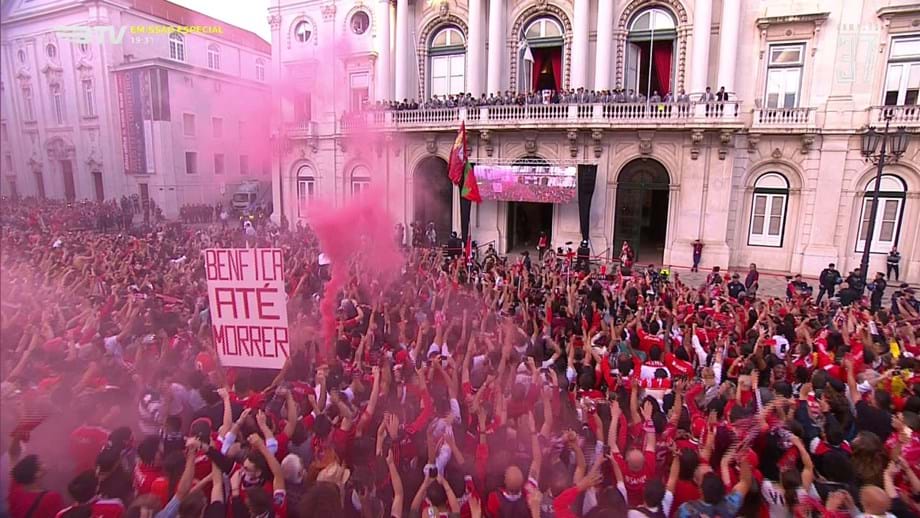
(635, 104)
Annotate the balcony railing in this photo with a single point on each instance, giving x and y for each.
(302, 129)
(900, 115)
(784, 118)
(552, 115)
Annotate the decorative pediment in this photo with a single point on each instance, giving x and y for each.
(53, 73)
(59, 148)
(84, 69)
(815, 19)
(24, 77)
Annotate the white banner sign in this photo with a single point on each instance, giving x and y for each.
(248, 303)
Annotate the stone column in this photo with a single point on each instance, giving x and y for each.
(580, 44)
(383, 80)
(604, 44)
(496, 44)
(728, 44)
(699, 63)
(402, 50)
(475, 45)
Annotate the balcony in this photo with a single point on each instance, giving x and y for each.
(907, 116)
(301, 129)
(548, 116)
(784, 119)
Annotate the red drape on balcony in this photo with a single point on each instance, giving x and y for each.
(547, 57)
(538, 61)
(661, 55)
(555, 54)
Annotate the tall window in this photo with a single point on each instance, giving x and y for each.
(541, 55)
(360, 86)
(191, 162)
(302, 31)
(784, 75)
(57, 104)
(448, 62)
(768, 210)
(260, 70)
(302, 107)
(28, 106)
(892, 193)
(213, 57)
(244, 165)
(176, 47)
(188, 124)
(360, 180)
(902, 82)
(217, 127)
(650, 63)
(306, 188)
(89, 99)
(218, 163)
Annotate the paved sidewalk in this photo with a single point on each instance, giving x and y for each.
(771, 285)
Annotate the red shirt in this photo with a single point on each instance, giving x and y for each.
(144, 476)
(21, 500)
(101, 508)
(684, 491)
(646, 342)
(85, 444)
(635, 480)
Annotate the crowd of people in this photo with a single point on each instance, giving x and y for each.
(201, 213)
(500, 388)
(570, 96)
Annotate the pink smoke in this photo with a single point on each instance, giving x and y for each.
(358, 234)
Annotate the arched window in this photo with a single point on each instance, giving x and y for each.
(891, 196)
(447, 53)
(21, 54)
(306, 188)
(768, 210)
(260, 69)
(176, 47)
(650, 63)
(360, 180)
(303, 30)
(541, 55)
(360, 22)
(213, 57)
(51, 51)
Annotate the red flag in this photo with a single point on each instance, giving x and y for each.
(470, 189)
(458, 158)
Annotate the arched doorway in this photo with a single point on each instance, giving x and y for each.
(434, 196)
(641, 217)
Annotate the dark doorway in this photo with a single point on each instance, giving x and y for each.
(97, 185)
(434, 197)
(70, 192)
(525, 222)
(641, 217)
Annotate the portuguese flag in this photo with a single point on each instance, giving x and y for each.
(460, 170)
(469, 189)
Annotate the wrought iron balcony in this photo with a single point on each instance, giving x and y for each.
(543, 116)
(904, 115)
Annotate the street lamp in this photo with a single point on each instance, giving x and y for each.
(879, 147)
